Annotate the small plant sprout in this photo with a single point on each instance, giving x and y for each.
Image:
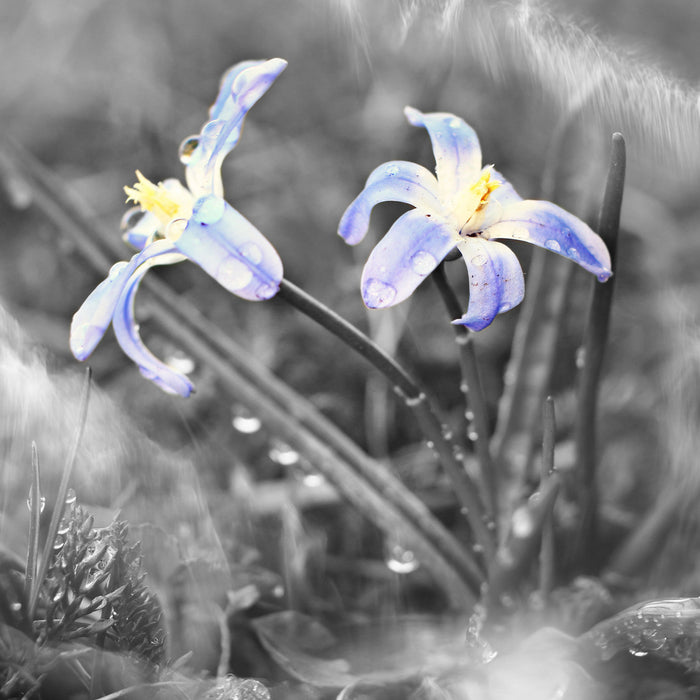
(467, 206)
(173, 223)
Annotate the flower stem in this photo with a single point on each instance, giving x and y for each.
(547, 546)
(477, 410)
(414, 396)
(593, 354)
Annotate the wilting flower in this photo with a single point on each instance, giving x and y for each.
(174, 223)
(467, 206)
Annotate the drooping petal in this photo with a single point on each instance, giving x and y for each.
(496, 281)
(546, 225)
(127, 335)
(395, 181)
(241, 87)
(455, 146)
(230, 249)
(92, 319)
(412, 248)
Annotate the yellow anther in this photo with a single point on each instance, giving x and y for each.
(483, 187)
(158, 199)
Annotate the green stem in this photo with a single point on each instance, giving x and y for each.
(477, 414)
(593, 353)
(414, 396)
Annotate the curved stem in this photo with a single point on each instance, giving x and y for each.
(414, 396)
(477, 413)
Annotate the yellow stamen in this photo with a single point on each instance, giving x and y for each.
(483, 187)
(157, 199)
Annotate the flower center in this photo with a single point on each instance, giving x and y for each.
(474, 200)
(167, 201)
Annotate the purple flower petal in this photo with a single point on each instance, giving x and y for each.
(455, 146)
(230, 249)
(395, 181)
(92, 319)
(412, 248)
(241, 87)
(496, 281)
(546, 225)
(127, 335)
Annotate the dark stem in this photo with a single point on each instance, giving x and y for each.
(414, 397)
(593, 353)
(479, 428)
(547, 554)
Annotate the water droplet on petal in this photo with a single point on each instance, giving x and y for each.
(378, 294)
(392, 170)
(131, 218)
(187, 149)
(175, 229)
(551, 244)
(505, 306)
(479, 260)
(265, 291)
(455, 123)
(521, 234)
(234, 274)
(244, 421)
(572, 253)
(423, 263)
(209, 209)
(114, 270)
(283, 454)
(252, 252)
(180, 362)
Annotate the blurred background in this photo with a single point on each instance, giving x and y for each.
(95, 90)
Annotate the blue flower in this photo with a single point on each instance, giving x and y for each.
(174, 223)
(467, 206)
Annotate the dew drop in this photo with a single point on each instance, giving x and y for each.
(572, 253)
(521, 234)
(638, 652)
(244, 421)
(265, 291)
(423, 263)
(473, 435)
(30, 501)
(283, 454)
(580, 358)
(180, 362)
(71, 497)
(551, 244)
(175, 229)
(392, 170)
(313, 479)
(131, 218)
(505, 306)
(399, 559)
(479, 260)
(251, 251)
(114, 270)
(412, 401)
(522, 523)
(377, 294)
(233, 274)
(455, 123)
(187, 149)
(15, 607)
(209, 209)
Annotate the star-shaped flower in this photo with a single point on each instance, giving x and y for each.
(174, 223)
(467, 206)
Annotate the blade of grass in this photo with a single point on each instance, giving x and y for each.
(61, 494)
(547, 563)
(35, 508)
(593, 354)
